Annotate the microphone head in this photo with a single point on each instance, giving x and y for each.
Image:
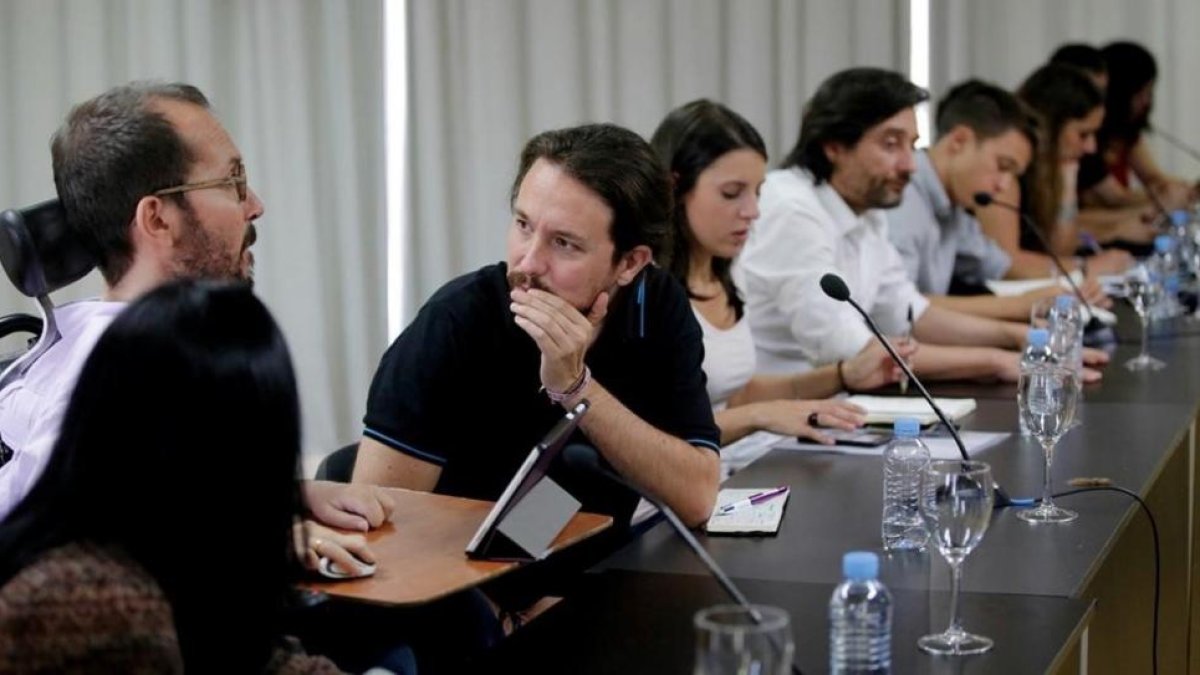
(983, 198)
(835, 287)
(582, 458)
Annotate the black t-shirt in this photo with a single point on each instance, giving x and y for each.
(460, 387)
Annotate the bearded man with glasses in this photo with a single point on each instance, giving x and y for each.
(156, 188)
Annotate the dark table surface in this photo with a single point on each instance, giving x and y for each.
(836, 502)
(641, 622)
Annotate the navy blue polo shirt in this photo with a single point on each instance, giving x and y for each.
(460, 387)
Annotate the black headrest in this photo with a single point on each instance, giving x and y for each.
(39, 252)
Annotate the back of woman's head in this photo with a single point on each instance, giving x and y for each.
(180, 447)
(689, 140)
(1130, 68)
(1059, 94)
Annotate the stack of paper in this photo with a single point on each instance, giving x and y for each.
(887, 409)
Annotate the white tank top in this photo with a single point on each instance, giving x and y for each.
(729, 360)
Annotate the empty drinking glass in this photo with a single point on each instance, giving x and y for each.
(956, 502)
(733, 641)
(1047, 396)
(1143, 292)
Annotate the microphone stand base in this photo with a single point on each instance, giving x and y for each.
(1001, 499)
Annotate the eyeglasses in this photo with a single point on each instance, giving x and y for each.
(237, 180)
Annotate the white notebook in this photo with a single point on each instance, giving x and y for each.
(887, 409)
(761, 518)
(940, 446)
(1009, 287)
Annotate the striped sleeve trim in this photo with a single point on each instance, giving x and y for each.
(705, 443)
(403, 447)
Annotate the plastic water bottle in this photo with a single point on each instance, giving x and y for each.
(1185, 245)
(1164, 271)
(1066, 337)
(904, 459)
(860, 618)
(1037, 352)
(1185, 226)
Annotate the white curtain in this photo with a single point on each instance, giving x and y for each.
(1005, 41)
(299, 85)
(485, 76)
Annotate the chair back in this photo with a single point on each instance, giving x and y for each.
(40, 254)
(39, 251)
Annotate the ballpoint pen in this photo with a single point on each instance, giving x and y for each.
(752, 500)
(907, 338)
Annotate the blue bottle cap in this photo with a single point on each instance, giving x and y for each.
(906, 427)
(1163, 243)
(1038, 337)
(860, 565)
(1179, 217)
(1063, 302)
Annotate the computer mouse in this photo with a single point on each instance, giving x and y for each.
(329, 568)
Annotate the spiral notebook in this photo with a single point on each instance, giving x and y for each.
(761, 518)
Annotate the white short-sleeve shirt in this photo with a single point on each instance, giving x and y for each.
(729, 359)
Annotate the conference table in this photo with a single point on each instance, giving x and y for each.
(1075, 597)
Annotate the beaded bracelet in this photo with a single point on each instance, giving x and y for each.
(574, 389)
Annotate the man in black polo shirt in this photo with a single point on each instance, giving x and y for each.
(578, 311)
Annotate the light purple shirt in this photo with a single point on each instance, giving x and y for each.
(32, 406)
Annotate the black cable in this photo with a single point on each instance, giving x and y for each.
(1157, 572)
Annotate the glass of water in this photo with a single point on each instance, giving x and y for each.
(956, 502)
(733, 641)
(1047, 396)
(1142, 292)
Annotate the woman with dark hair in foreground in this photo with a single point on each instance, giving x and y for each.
(132, 554)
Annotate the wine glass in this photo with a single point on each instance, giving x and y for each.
(1047, 395)
(1142, 292)
(956, 502)
(731, 640)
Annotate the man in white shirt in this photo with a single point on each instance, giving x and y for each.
(155, 185)
(823, 212)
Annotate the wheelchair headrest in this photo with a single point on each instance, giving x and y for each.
(39, 251)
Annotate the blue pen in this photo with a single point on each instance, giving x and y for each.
(751, 500)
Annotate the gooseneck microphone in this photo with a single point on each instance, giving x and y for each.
(836, 288)
(986, 199)
(586, 460)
